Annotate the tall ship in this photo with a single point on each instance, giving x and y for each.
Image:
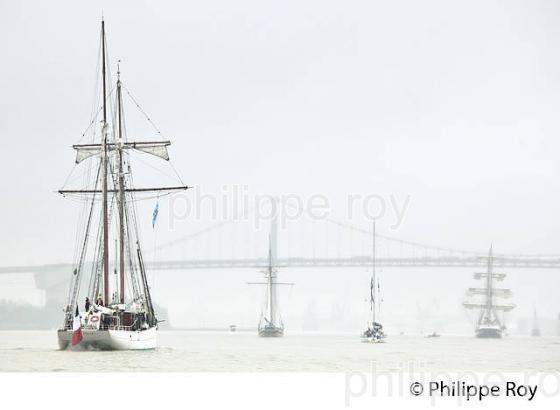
(270, 323)
(489, 301)
(111, 310)
(374, 332)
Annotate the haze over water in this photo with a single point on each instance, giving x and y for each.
(184, 351)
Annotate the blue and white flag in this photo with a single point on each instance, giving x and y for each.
(154, 215)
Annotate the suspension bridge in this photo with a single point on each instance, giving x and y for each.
(391, 252)
(334, 245)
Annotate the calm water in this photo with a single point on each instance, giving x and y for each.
(244, 351)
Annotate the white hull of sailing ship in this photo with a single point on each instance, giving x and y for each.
(110, 339)
(488, 332)
(271, 331)
(373, 339)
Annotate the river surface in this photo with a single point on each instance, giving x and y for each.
(196, 351)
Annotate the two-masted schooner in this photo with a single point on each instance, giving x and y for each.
(118, 312)
(486, 300)
(374, 332)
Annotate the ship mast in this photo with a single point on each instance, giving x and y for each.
(270, 290)
(105, 160)
(372, 285)
(489, 283)
(121, 189)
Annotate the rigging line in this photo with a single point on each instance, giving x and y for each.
(85, 179)
(83, 252)
(79, 260)
(176, 173)
(84, 174)
(169, 162)
(137, 157)
(141, 110)
(69, 175)
(94, 118)
(130, 253)
(94, 271)
(93, 121)
(153, 125)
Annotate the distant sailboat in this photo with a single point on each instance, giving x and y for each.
(489, 324)
(536, 330)
(118, 315)
(374, 332)
(270, 323)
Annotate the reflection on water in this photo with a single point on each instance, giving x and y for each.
(244, 351)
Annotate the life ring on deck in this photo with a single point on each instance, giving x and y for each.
(94, 319)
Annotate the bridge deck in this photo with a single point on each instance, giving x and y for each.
(303, 262)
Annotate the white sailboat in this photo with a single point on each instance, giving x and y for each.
(374, 332)
(490, 322)
(118, 315)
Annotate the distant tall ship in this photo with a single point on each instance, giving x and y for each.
(536, 330)
(270, 323)
(374, 333)
(118, 312)
(487, 301)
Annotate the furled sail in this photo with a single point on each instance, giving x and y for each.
(156, 148)
(85, 151)
(504, 293)
(504, 308)
(496, 276)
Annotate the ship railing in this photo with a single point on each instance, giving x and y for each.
(119, 327)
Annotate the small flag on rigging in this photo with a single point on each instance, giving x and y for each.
(76, 328)
(155, 214)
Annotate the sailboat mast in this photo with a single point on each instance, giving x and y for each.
(270, 291)
(373, 284)
(489, 285)
(121, 190)
(105, 160)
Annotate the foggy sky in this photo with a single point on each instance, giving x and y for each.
(452, 103)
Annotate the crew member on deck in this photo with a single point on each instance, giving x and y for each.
(87, 304)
